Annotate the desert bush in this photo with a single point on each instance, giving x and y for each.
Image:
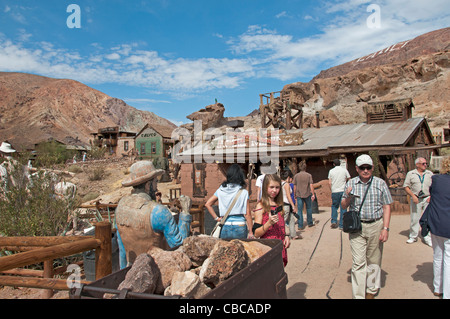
(52, 153)
(97, 152)
(96, 174)
(30, 207)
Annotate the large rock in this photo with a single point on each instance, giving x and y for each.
(226, 259)
(255, 249)
(186, 284)
(198, 248)
(143, 277)
(210, 116)
(168, 263)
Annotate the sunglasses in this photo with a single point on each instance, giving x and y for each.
(424, 163)
(365, 167)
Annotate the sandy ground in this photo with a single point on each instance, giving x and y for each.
(319, 265)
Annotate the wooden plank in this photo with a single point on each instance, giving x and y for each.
(29, 282)
(47, 253)
(39, 241)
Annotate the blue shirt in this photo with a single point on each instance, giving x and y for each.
(377, 196)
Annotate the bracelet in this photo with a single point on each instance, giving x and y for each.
(217, 218)
(387, 228)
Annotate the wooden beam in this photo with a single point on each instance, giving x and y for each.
(40, 241)
(30, 282)
(47, 253)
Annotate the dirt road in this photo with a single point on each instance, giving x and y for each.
(319, 265)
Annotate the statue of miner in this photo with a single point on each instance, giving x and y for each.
(142, 223)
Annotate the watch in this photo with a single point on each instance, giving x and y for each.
(387, 228)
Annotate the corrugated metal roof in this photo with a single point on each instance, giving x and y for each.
(358, 135)
(341, 136)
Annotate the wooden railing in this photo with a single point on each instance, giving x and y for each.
(34, 250)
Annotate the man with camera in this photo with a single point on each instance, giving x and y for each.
(375, 214)
(417, 185)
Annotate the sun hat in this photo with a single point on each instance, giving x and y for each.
(6, 148)
(141, 172)
(364, 160)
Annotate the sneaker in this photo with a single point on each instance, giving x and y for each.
(334, 225)
(411, 240)
(427, 241)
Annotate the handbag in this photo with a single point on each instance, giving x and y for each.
(352, 219)
(218, 228)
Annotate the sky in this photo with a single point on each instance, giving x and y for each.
(174, 57)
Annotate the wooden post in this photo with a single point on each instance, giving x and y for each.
(48, 273)
(103, 254)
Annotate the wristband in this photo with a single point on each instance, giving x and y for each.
(387, 228)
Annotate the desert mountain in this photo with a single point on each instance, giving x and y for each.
(35, 108)
(417, 69)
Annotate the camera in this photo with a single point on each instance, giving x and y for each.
(276, 210)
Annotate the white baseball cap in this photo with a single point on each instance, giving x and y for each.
(364, 160)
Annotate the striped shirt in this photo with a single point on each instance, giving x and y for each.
(377, 196)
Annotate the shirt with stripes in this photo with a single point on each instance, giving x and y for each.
(377, 196)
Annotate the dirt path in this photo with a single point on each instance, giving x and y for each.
(319, 265)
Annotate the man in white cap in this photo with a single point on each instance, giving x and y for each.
(142, 222)
(367, 244)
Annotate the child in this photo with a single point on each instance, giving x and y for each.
(267, 225)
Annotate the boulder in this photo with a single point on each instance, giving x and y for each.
(186, 284)
(198, 248)
(226, 259)
(255, 249)
(210, 116)
(168, 263)
(143, 277)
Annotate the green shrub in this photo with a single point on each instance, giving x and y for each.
(31, 208)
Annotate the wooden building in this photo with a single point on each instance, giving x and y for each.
(118, 142)
(393, 144)
(154, 141)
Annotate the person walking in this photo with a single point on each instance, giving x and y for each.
(437, 217)
(337, 178)
(288, 204)
(304, 192)
(239, 223)
(367, 244)
(417, 185)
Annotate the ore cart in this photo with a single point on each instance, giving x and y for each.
(265, 278)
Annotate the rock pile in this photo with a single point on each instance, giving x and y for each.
(199, 265)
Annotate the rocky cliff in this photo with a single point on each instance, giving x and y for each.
(34, 108)
(417, 69)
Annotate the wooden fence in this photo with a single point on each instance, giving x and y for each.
(34, 250)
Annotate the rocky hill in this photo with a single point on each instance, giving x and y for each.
(417, 69)
(34, 108)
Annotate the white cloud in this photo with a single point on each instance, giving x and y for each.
(259, 52)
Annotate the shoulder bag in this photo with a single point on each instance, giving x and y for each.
(352, 218)
(218, 228)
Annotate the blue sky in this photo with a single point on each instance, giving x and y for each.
(173, 57)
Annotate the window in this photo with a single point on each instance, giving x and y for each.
(142, 148)
(125, 146)
(153, 147)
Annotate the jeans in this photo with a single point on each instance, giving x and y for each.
(308, 204)
(335, 205)
(236, 231)
(441, 265)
